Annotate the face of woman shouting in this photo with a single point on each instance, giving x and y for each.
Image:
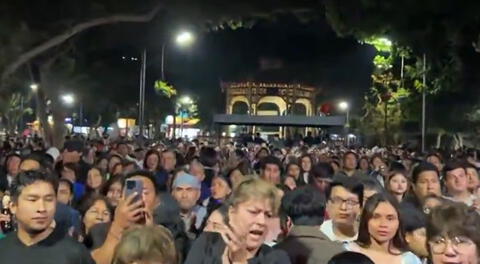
(249, 221)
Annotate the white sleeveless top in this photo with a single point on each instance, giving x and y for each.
(407, 257)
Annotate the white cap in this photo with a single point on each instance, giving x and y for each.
(53, 152)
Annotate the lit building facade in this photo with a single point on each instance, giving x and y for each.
(269, 99)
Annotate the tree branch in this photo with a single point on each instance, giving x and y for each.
(59, 39)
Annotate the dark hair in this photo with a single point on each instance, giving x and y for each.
(38, 157)
(87, 202)
(114, 179)
(67, 182)
(412, 218)
(322, 170)
(364, 239)
(393, 174)
(9, 156)
(334, 161)
(397, 166)
(221, 208)
(240, 153)
(305, 206)
(270, 160)
(208, 156)
(370, 183)
(350, 153)
(350, 257)
(90, 200)
(306, 156)
(292, 163)
(376, 156)
(147, 175)
(352, 184)
(262, 148)
(151, 152)
(453, 219)
(453, 165)
(112, 157)
(190, 154)
(26, 178)
(363, 158)
(423, 167)
(437, 155)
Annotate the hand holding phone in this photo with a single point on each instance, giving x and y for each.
(131, 208)
(134, 186)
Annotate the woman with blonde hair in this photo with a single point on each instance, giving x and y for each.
(146, 244)
(241, 239)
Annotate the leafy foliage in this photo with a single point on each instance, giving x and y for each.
(12, 108)
(165, 89)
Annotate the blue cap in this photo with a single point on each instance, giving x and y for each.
(188, 180)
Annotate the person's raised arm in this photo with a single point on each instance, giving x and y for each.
(127, 213)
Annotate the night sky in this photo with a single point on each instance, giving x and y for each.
(310, 54)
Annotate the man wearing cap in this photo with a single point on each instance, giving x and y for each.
(186, 190)
(72, 153)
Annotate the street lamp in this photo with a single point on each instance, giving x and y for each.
(185, 38)
(68, 99)
(34, 87)
(186, 100)
(344, 106)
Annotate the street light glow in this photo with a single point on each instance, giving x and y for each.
(34, 87)
(185, 38)
(343, 106)
(68, 99)
(186, 100)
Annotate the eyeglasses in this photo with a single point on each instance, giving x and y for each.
(438, 245)
(339, 201)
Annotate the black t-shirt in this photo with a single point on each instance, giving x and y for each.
(54, 249)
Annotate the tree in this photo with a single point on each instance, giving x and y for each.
(32, 43)
(430, 27)
(12, 109)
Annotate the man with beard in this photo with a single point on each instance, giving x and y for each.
(186, 191)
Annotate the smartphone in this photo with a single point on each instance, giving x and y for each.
(134, 186)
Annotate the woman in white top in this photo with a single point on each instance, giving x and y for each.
(380, 235)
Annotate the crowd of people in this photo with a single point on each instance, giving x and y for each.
(124, 202)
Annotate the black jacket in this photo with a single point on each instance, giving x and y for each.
(209, 248)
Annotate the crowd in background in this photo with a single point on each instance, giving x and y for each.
(249, 201)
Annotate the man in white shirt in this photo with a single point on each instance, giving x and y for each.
(345, 199)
